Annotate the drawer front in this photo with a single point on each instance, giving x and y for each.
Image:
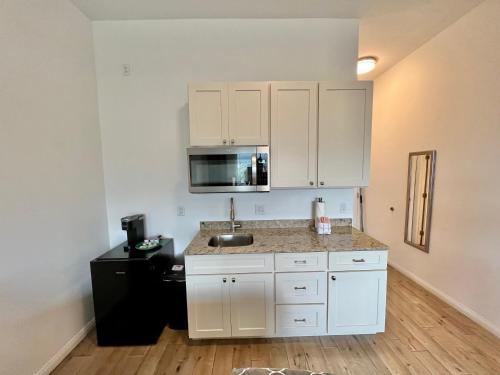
(300, 320)
(229, 263)
(358, 260)
(290, 262)
(300, 288)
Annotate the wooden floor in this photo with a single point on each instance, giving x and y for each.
(424, 335)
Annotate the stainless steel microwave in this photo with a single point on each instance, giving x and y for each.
(236, 169)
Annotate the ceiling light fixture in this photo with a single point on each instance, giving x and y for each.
(366, 64)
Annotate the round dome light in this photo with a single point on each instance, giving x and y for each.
(366, 64)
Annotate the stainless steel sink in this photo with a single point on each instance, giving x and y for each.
(230, 240)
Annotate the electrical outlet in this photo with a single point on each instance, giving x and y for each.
(126, 69)
(343, 208)
(181, 211)
(259, 209)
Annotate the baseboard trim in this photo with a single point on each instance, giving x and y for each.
(479, 319)
(66, 349)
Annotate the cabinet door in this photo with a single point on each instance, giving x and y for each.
(294, 108)
(252, 305)
(344, 134)
(249, 113)
(208, 306)
(356, 302)
(208, 114)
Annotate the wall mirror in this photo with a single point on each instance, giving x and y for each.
(421, 169)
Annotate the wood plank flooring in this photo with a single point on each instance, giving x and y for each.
(423, 335)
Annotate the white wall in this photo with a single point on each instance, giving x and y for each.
(52, 201)
(445, 96)
(144, 116)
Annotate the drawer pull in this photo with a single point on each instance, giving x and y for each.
(120, 272)
(299, 288)
(300, 261)
(303, 320)
(358, 260)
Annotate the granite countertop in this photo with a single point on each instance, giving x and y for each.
(284, 236)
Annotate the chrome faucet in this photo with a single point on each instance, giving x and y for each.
(232, 217)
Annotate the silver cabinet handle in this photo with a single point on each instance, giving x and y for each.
(300, 320)
(254, 169)
(311, 183)
(358, 260)
(232, 141)
(224, 141)
(120, 273)
(300, 261)
(322, 183)
(224, 280)
(299, 288)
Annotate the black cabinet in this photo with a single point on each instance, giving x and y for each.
(127, 290)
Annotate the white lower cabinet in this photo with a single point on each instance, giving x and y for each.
(240, 305)
(356, 302)
(209, 304)
(300, 320)
(246, 295)
(252, 305)
(300, 287)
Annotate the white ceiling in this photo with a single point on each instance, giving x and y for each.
(389, 29)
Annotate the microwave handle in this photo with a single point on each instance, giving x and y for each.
(254, 169)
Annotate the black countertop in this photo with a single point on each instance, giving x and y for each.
(120, 253)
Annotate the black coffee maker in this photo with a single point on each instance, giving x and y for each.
(134, 225)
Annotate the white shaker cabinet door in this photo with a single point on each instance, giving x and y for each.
(208, 114)
(356, 302)
(344, 134)
(208, 303)
(248, 113)
(294, 113)
(252, 305)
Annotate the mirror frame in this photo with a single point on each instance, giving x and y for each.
(429, 199)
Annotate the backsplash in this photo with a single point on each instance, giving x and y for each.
(249, 224)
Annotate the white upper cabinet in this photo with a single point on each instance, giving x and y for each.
(235, 113)
(294, 109)
(320, 132)
(248, 113)
(208, 114)
(344, 134)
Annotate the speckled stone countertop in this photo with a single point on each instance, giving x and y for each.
(284, 236)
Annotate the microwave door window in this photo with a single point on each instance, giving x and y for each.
(221, 170)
